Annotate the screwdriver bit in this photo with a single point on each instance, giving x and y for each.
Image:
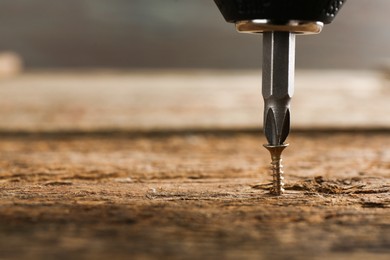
(279, 21)
(278, 84)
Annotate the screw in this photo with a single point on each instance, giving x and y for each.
(276, 167)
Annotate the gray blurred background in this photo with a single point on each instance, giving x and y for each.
(176, 34)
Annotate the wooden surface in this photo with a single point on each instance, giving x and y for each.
(192, 196)
(101, 100)
(171, 166)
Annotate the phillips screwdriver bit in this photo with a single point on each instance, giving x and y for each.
(279, 21)
(278, 84)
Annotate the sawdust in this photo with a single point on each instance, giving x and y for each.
(353, 185)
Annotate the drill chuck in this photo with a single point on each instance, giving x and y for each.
(280, 10)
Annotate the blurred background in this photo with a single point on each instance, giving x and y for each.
(177, 63)
(176, 34)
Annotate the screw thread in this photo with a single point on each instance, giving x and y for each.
(277, 175)
(277, 168)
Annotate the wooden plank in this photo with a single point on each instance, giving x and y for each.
(145, 100)
(193, 196)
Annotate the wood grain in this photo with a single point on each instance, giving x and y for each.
(188, 195)
(147, 100)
